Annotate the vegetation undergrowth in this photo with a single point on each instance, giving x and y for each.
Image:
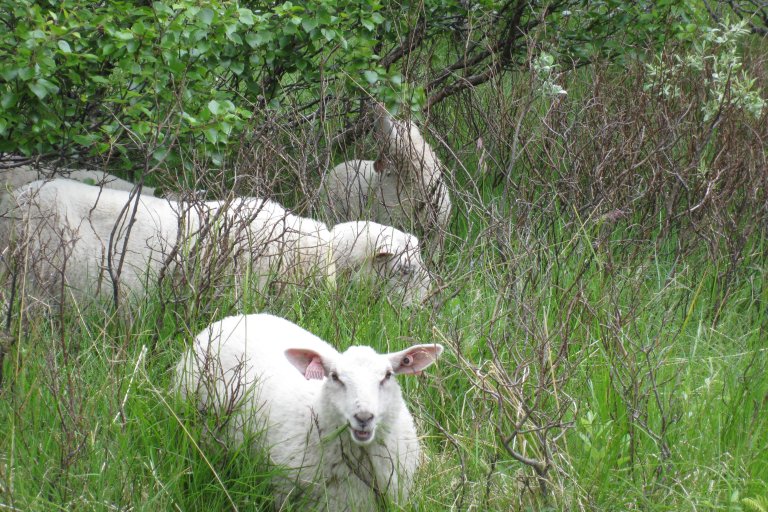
(601, 293)
(640, 386)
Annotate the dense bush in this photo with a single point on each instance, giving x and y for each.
(126, 79)
(126, 76)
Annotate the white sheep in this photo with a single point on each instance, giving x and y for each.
(77, 232)
(373, 251)
(336, 422)
(271, 242)
(404, 187)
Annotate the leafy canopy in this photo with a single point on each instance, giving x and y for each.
(119, 75)
(124, 78)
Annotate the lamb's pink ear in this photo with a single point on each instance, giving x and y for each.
(415, 359)
(308, 362)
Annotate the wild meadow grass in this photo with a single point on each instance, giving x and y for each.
(645, 389)
(605, 331)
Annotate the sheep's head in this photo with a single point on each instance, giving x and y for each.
(407, 158)
(383, 254)
(359, 384)
(402, 268)
(404, 151)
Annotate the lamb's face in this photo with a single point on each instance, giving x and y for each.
(359, 391)
(362, 390)
(404, 271)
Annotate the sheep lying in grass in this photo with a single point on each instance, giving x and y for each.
(336, 422)
(78, 232)
(404, 188)
(271, 242)
(18, 176)
(372, 251)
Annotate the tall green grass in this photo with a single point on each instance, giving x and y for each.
(629, 355)
(662, 389)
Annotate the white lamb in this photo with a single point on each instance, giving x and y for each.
(404, 187)
(373, 251)
(271, 242)
(299, 395)
(77, 232)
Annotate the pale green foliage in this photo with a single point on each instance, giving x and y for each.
(715, 58)
(145, 82)
(546, 72)
(120, 77)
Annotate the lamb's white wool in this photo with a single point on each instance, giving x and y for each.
(336, 422)
(277, 243)
(373, 251)
(78, 232)
(403, 188)
(18, 176)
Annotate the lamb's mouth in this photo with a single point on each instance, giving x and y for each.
(362, 436)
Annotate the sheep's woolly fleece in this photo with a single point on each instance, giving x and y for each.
(337, 423)
(404, 187)
(79, 232)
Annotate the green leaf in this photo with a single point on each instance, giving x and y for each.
(225, 128)
(246, 16)
(124, 35)
(9, 100)
(214, 107)
(42, 87)
(188, 118)
(38, 90)
(263, 37)
(85, 140)
(212, 134)
(206, 16)
(308, 24)
(26, 73)
(160, 154)
(252, 39)
(227, 106)
(64, 46)
(9, 74)
(371, 76)
(329, 34)
(237, 68)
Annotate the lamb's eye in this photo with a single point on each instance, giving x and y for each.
(386, 376)
(406, 270)
(335, 377)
